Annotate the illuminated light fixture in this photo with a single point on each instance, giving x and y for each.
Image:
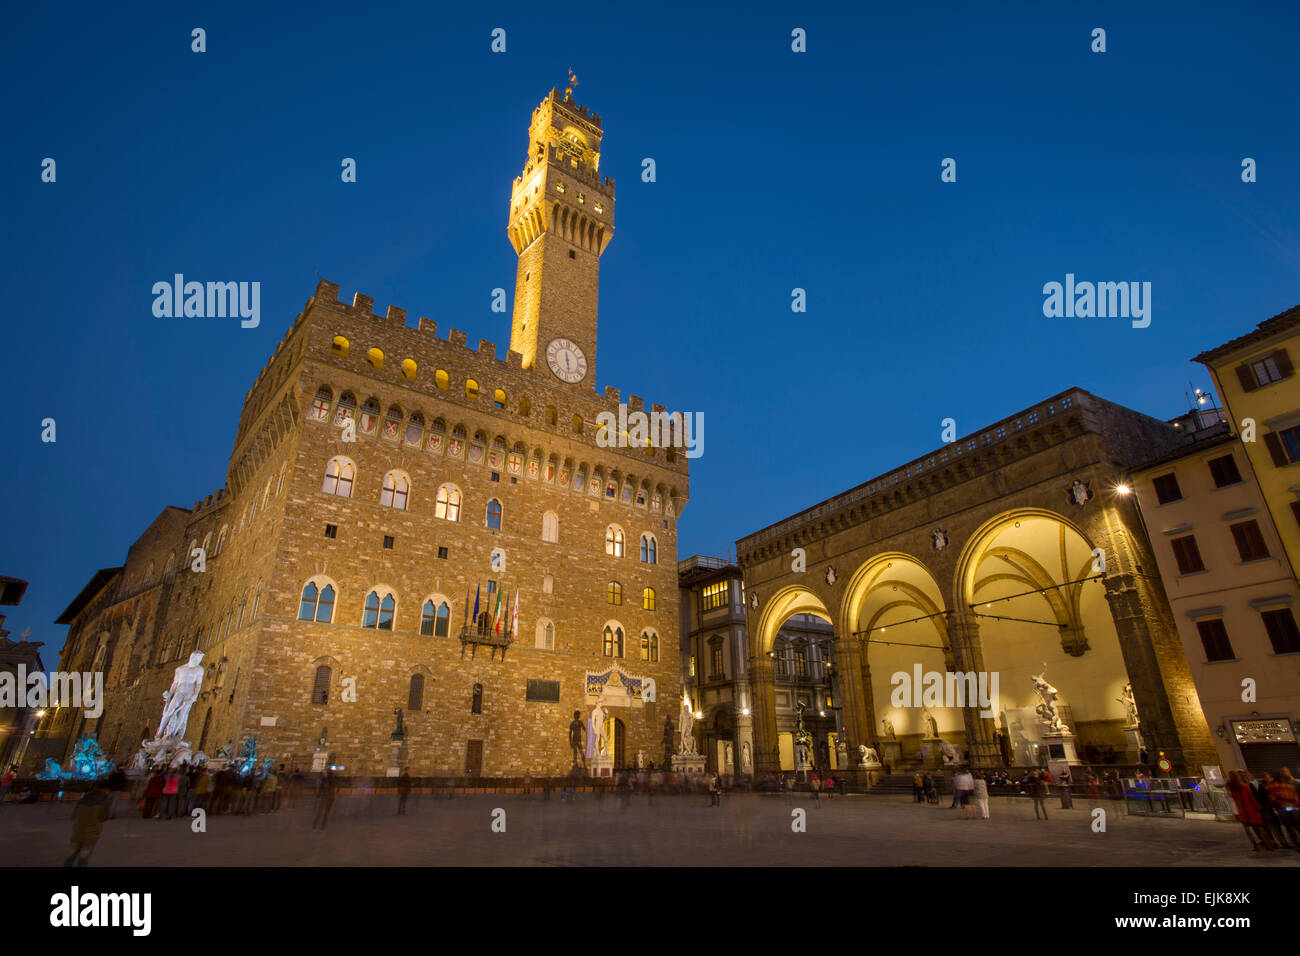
(821, 713)
(600, 207)
(699, 715)
(1123, 489)
(745, 711)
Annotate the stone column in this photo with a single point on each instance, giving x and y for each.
(855, 692)
(967, 654)
(762, 682)
(1167, 703)
(744, 727)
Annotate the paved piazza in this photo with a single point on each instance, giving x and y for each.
(748, 830)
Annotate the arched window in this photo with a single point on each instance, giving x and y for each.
(476, 704)
(525, 408)
(648, 599)
(442, 624)
(221, 544)
(551, 415)
(415, 699)
(396, 487)
(548, 584)
(614, 593)
(279, 486)
(441, 379)
(340, 346)
(379, 611)
(409, 367)
(376, 358)
(494, 514)
(171, 565)
(447, 505)
(428, 615)
(614, 541)
(317, 603)
(613, 641)
(320, 688)
(339, 473)
(499, 398)
(257, 595)
(577, 424)
(649, 646)
(148, 574)
(550, 527)
(648, 549)
(243, 606)
(471, 388)
(545, 635)
(320, 406)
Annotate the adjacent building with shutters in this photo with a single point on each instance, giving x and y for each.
(1234, 599)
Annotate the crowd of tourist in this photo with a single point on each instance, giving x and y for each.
(178, 791)
(1268, 809)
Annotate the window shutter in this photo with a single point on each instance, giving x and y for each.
(1276, 450)
(1247, 378)
(1283, 363)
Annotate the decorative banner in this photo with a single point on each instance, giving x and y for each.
(534, 468)
(564, 476)
(455, 448)
(391, 429)
(476, 450)
(515, 464)
(494, 459)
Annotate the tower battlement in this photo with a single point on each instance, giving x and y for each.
(557, 98)
(558, 157)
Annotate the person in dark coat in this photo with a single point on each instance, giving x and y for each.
(88, 824)
(403, 791)
(153, 792)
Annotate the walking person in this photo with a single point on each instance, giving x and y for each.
(1246, 809)
(268, 796)
(203, 790)
(918, 787)
(324, 799)
(88, 824)
(816, 784)
(7, 782)
(982, 795)
(153, 792)
(403, 791)
(715, 791)
(1266, 812)
(1283, 801)
(964, 788)
(1038, 793)
(787, 784)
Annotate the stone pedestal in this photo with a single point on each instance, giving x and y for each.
(601, 765)
(319, 759)
(932, 753)
(688, 763)
(1133, 736)
(891, 752)
(1067, 750)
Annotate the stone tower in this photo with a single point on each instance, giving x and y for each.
(561, 220)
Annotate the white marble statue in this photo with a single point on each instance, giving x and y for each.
(685, 723)
(728, 756)
(745, 764)
(931, 726)
(868, 756)
(1130, 704)
(181, 697)
(889, 728)
(598, 727)
(1046, 710)
(640, 760)
(950, 754)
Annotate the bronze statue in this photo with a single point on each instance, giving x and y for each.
(575, 740)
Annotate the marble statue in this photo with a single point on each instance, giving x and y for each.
(640, 760)
(728, 756)
(181, 697)
(950, 753)
(1130, 704)
(889, 728)
(686, 721)
(746, 763)
(596, 743)
(1046, 710)
(868, 756)
(931, 726)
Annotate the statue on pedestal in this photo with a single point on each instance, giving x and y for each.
(746, 762)
(181, 697)
(575, 739)
(868, 756)
(931, 726)
(1046, 710)
(686, 720)
(1130, 705)
(596, 743)
(888, 725)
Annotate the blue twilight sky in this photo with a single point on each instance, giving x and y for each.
(776, 170)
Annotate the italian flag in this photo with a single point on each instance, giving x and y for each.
(496, 616)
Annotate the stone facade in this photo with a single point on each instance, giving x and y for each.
(913, 548)
(530, 502)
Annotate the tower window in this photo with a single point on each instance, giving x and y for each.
(476, 705)
(388, 542)
(442, 553)
(572, 254)
(331, 531)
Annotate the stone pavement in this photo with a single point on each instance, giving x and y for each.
(748, 830)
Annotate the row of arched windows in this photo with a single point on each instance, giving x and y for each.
(380, 607)
(437, 438)
(227, 622)
(321, 680)
(613, 643)
(340, 475)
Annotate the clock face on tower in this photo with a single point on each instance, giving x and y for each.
(566, 360)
